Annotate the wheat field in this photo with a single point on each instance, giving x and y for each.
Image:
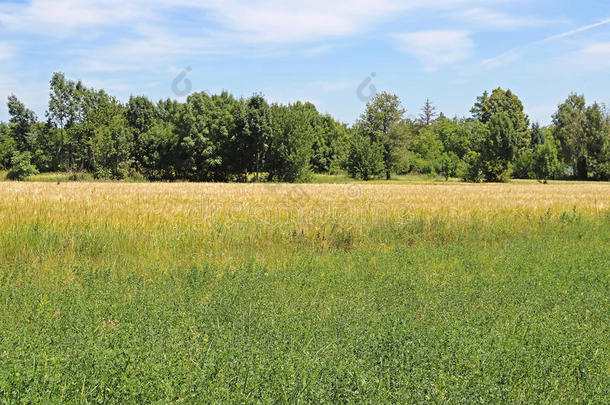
(117, 293)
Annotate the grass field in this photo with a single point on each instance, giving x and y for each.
(324, 293)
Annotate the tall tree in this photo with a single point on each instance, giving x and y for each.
(545, 160)
(255, 133)
(330, 144)
(500, 147)
(537, 135)
(365, 158)
(22, 121)
(428, 114)
(380, 115)
(111, 141)
(501, 101)
(291, 144)
(142, 116)
(583, 135)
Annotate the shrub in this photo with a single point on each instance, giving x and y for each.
(524, 166)
(365, 160)
(21, 167)
(469, 169)
(545, 161)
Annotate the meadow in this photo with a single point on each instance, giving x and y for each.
(320, 293)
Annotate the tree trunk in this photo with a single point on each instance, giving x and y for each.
(582, 168)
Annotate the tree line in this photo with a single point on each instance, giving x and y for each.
(222, 138)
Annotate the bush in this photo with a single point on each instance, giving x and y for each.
(449, 165)
(79, 176)
(102, 174)
(524, 166)
(545, 161)
(469, 169)
(21, 167)
(365, 160)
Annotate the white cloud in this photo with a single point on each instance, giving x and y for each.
(598, 49)
(255, 20)
(497, 20)
(590, 57)
(582, 58)
(63, 17)
(500, 60)
(300, 20)
(436, 48)
(117, 35)
(576, 31)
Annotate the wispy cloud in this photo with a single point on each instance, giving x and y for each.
(575, 31)
(515, 54)
(436, 48)
(589, 58)
(63, 17)
(498, 20)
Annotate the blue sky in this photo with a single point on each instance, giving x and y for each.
(316, 50)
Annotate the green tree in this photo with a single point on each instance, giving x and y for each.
(253, 135)
(21, 166)
(7, 146)
(22, 122)
(380, 116)
(330, 144)
(110, 143)
(597, 137)
(427, 149)
(501, 101)
(583, 135)
(449, 165)
(291, 144)
(470, 167)
(569, 129)
(537, 135)
(365, 159)
(545, 161)
(500, 148)
(142, 116)
(195, 155)
(523, 167)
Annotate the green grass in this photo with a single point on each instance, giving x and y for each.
(396, 179)
(484, 317)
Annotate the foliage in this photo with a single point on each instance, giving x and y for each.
(381, 115)
(545, 160)
(7, 146)
(506, 102)
(291, 143)
(218, 138)
(583, 133)
(366, 158)
(523, 167)
(427, 149)
(21, 166)
(470, 168)
(500, 148)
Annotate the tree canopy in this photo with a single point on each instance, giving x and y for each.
(217, 137)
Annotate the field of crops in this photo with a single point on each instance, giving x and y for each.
(118, 293)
